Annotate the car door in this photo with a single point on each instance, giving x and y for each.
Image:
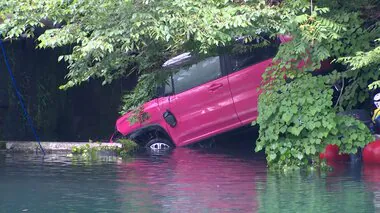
(246, 69)
(202, 104)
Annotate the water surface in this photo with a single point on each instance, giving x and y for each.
(185, 180)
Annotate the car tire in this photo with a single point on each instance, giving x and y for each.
(159, 145)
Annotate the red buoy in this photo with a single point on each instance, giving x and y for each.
(332, 153)
(371, 152)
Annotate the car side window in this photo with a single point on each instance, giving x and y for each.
(249, 55)
(196, 74)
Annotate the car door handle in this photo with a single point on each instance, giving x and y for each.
(214, 87)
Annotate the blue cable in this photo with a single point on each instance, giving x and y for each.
(26, 114)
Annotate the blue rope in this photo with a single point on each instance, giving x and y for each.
(26, 114)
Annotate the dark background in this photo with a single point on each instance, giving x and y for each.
(88, 111)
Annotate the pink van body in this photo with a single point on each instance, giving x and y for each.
(214, 107)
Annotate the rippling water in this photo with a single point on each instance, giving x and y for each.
(185, 180)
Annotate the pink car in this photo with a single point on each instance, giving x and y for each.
(201, 100)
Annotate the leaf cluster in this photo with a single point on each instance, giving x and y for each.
(297, 121)
(110, 39)
(89, 151)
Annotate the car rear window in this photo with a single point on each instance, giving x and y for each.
(246, 55)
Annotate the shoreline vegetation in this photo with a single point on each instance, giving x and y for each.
(128, 147)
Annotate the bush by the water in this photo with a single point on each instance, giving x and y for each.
(128, 147)
(298, 120)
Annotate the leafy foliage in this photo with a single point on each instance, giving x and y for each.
(111, 38)
(297, 121)
(128, 147)
(91, 151)
(147, 86)
(368, 62)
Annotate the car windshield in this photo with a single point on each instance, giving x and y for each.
(194, 75)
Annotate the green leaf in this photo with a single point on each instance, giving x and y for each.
(286, 117)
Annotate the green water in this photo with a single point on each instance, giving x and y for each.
(182, 181)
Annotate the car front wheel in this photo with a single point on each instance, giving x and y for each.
(158, 145)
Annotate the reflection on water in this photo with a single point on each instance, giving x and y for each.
(188, 180)
(183, 181)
